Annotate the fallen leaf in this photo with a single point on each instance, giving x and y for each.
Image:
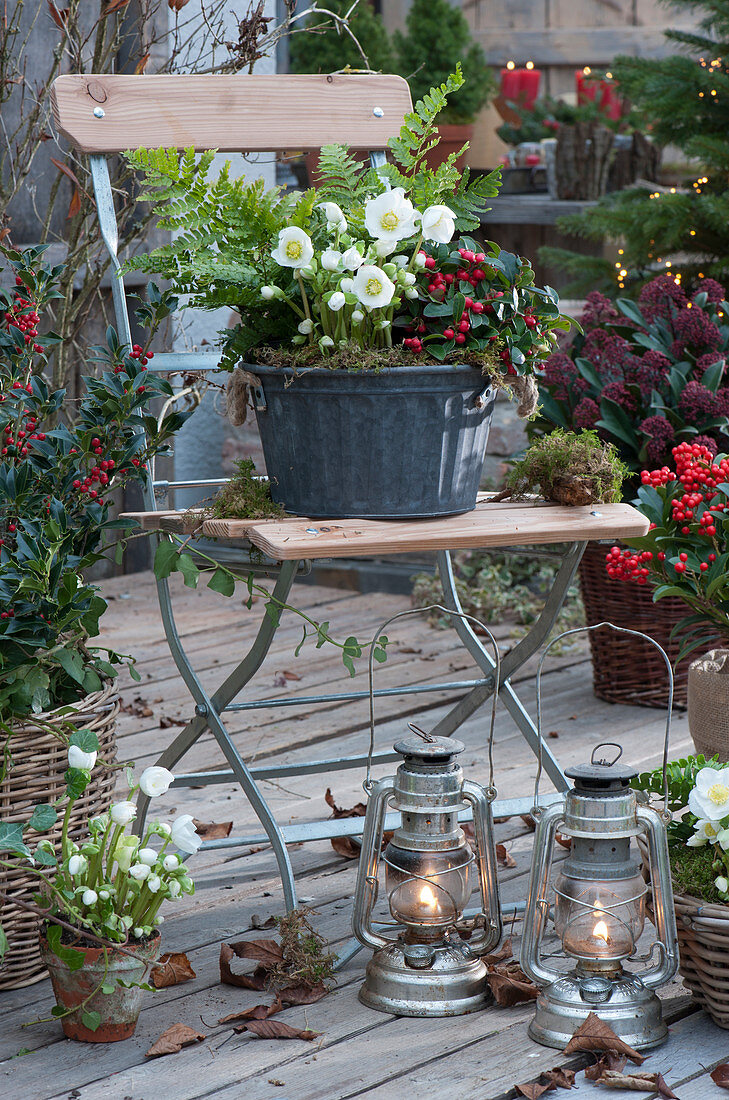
(561, 1077)
(408, 649)
(503, 858)
(553, 733)
(720, 1075)
(139, 707)
(637, 1082)
(260, 924)
(609, 1060)
(277, 1029)
(173, 968)
(212, 830)
(564, 841)
(141, 65)
(346, 847)
(291, 675)
(173, 1040)
(532, 1090)
(275, 1081)
(257, 1012)
(166, 722)
(528, 821)
(504, 952)
(510, 985)
(256, 980)
(279, 680)
(302, 993)
(594, 1034)
(267, 952)
(358, 810)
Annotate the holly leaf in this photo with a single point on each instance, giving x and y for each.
(173, 1040)
(173, 968)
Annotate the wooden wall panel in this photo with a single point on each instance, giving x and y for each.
(591, 13)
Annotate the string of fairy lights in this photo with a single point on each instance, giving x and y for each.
(697, 185)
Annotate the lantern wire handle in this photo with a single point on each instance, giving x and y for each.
(497, 684)
(669, 715)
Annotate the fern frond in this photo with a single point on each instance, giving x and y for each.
(419, 133)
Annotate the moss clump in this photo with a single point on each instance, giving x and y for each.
(305, 958)
(692, 870)
(244, 497)
(569, 468)
(351, 357)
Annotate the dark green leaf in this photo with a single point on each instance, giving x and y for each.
(44, 817)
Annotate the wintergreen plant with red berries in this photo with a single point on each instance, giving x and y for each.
(686, 551)
(60, 462)
(480, 304)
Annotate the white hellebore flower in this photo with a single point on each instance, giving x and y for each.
(268, 292)
(89, 897)
(391, 216)
(411, 292)
(326, 342)
(722, 838)
(347, 285)
(306, 326)
(331, 259)
(148, 856)
(139, 871)
(170, 863)
(155, 781)
(184, 836)
(334, 216)
(357, 316)
(77, 865)
(174, 888)
(352, 259)
(294, 248)
(153, 883)
(704, 831)
(385, 248)
(122, 813)
(438, 224)
(408, 278)
(709, 799)
(336, 301)
(372, 286)
(77, 758)
(721, 884)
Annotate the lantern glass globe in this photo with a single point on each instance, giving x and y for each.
(427, 889)
(599, 919)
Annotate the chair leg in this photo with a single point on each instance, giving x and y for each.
(208, 710)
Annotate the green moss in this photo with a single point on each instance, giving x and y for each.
(570, 468)
(244, 497)
(352, 357)
(692, 870)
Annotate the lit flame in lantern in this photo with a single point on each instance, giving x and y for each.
(600, 931)
(427, 897)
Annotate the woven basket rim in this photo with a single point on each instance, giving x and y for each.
(84, 704)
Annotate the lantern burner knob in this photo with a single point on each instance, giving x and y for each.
(419, 956)
(424, 749)
(595, 990)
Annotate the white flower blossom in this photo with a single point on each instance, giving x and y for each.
(326, 342)
(352, 259)
(401, 260)
(709, 799)
(407, 278)
(385, 248)
(139, 871)
(294, 248)
(77, 865)
(153, 883)
(704, 831)
(721, 884)
(391, 216)
(184, 835)
(306, 326)
(336, 301)
(174, 888)
(148, 856)
(77, 758)
(420, 260)
(347, 285)
(155, 781)
(411, 292)
(334, 216)
(170, 863)
(438, 224)
(268, 292)
(357, 316)
(89, 897)
(163, 828)
(373, 287)
(122, 813)
(331, 259)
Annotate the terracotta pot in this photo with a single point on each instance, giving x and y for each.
(120, 1009)
(452, 138)
(708, 703)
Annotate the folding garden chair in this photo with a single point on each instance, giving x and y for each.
(103, 115)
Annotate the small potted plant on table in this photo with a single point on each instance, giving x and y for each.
(646, 376)
(359, 416)
(100, 896)
(59, 467)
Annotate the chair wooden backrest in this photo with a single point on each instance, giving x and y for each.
(102, 115)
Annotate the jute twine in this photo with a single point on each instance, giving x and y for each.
(237, 394)
(703, 946)
(708, 703)
(527, 393)
(35, 775)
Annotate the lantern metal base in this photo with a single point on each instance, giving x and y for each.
(631, 1010)
(451, 985)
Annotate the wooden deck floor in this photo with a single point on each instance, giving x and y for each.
(359, 1053)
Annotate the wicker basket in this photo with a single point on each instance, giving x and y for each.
(627, 669)
(39, 761)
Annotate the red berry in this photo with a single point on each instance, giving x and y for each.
(460, 338)
(448, 333)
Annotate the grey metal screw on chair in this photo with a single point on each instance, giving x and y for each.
(262, 113)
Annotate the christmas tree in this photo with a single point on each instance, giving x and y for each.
(681, 230)
(324, 47)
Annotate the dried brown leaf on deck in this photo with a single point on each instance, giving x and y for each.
(344, 846)
(529, 822)
(302, 993)
(720, 1075)
(503, 858)
(503, 954)
(267, 952)
(277, 1029)
(260, 924)
(561, 1077)
(358, 810)
(173, 1040)
(256, 1012)
(532, 1090)
(510, 985)
(637, 1082)
(138, 707)
(609, 1060)
(212, 830)
(173, 968)
(594, 1034)
(166, 722)
(256, 980)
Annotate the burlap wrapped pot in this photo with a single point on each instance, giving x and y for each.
(708, 703)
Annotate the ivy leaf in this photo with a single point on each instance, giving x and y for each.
(165, 559)
(189, 570)
(44, 817)
(222, 581)
(74, 960)
(11, 839)
(91, 1019)
(3, 942)
(86, 740)
(77, 781)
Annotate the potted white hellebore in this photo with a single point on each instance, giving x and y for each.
(372, 339)
(101, 896)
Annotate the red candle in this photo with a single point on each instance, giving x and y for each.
(510, 84)
(603, 92)
(520, 85)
